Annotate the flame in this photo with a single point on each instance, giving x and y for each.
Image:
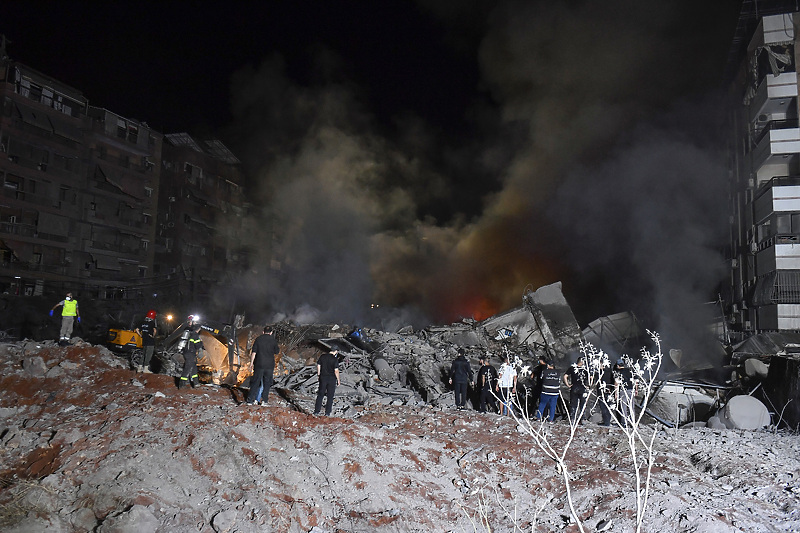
(477, 307)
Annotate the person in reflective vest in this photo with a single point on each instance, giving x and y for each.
(190, 352)
(69, 313)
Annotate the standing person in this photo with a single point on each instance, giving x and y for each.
(460, 376)
(537, 380)
(626, 391)
(190, 352)
(69, 313)
(575, 378)
(262, 365)
(147, 331)
(485, 382)
(551, 385)
(507, 385)
(328, 375)
(606, 393)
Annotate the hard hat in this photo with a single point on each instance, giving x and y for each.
(151, 314)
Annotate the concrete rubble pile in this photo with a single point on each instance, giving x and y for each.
(412, 367)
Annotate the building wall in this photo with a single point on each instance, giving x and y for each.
(765, 181)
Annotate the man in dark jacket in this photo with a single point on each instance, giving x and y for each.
(262, 364)
(551, 385)
(485, 382)
(190, 352)
(606, 395)
(576, 378)
(626, 391)
(328, 374)
(460, 376)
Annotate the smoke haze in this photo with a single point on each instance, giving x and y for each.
(579, 166)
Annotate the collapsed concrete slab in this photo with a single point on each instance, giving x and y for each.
(744, 412)
(545, 325)
(681, 404)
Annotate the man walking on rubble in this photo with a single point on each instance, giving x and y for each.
(262, 365)
(460, 376)
(328, 376)
(485, 383)
(606, 393)
(507, 386)
(551, 385)
(69, 313)
(575, 378)
(147, 331)
(626, 391)
(190, 352)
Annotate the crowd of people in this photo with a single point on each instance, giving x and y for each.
(496, 391)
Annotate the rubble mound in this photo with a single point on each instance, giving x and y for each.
(88, 445)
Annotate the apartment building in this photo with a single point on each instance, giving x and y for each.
(764, 165)
(202, 222)
(79, 186)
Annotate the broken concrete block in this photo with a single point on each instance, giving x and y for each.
(715, 423)
(744, 412)
(756, 368)
(34, 366)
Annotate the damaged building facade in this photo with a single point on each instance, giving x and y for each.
(202, 219)
(763, 297)
(79, 190)
(105, 206)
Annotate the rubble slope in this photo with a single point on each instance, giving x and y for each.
(88, 445)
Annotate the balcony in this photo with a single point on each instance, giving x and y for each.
(777, 143)
(774, 95)
(781, 254)
(778, 195)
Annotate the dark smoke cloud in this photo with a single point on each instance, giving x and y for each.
(551, 185)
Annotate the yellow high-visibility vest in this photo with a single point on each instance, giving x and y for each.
(70, 308)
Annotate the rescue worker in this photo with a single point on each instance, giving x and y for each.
(262, 365)
(190, 352)
(626, 392)
(460, 376)
(551, 385)
(575, 378)
(147, 331)
(328, 376)
(486, 382)
(69, 313)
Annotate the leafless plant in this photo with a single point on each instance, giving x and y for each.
(624, 415)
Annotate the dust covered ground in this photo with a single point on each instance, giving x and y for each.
(88, 445)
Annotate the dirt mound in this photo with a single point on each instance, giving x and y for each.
(88, 445)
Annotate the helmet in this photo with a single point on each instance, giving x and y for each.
(151, 314)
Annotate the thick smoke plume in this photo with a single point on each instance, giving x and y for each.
(585, 172)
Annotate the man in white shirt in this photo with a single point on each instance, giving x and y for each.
(507, 386)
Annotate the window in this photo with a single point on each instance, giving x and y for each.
(148, 192)
(145, 244)
(47, 96)
(36, 258)
(783, 224)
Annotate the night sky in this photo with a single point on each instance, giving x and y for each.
(437, 157)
